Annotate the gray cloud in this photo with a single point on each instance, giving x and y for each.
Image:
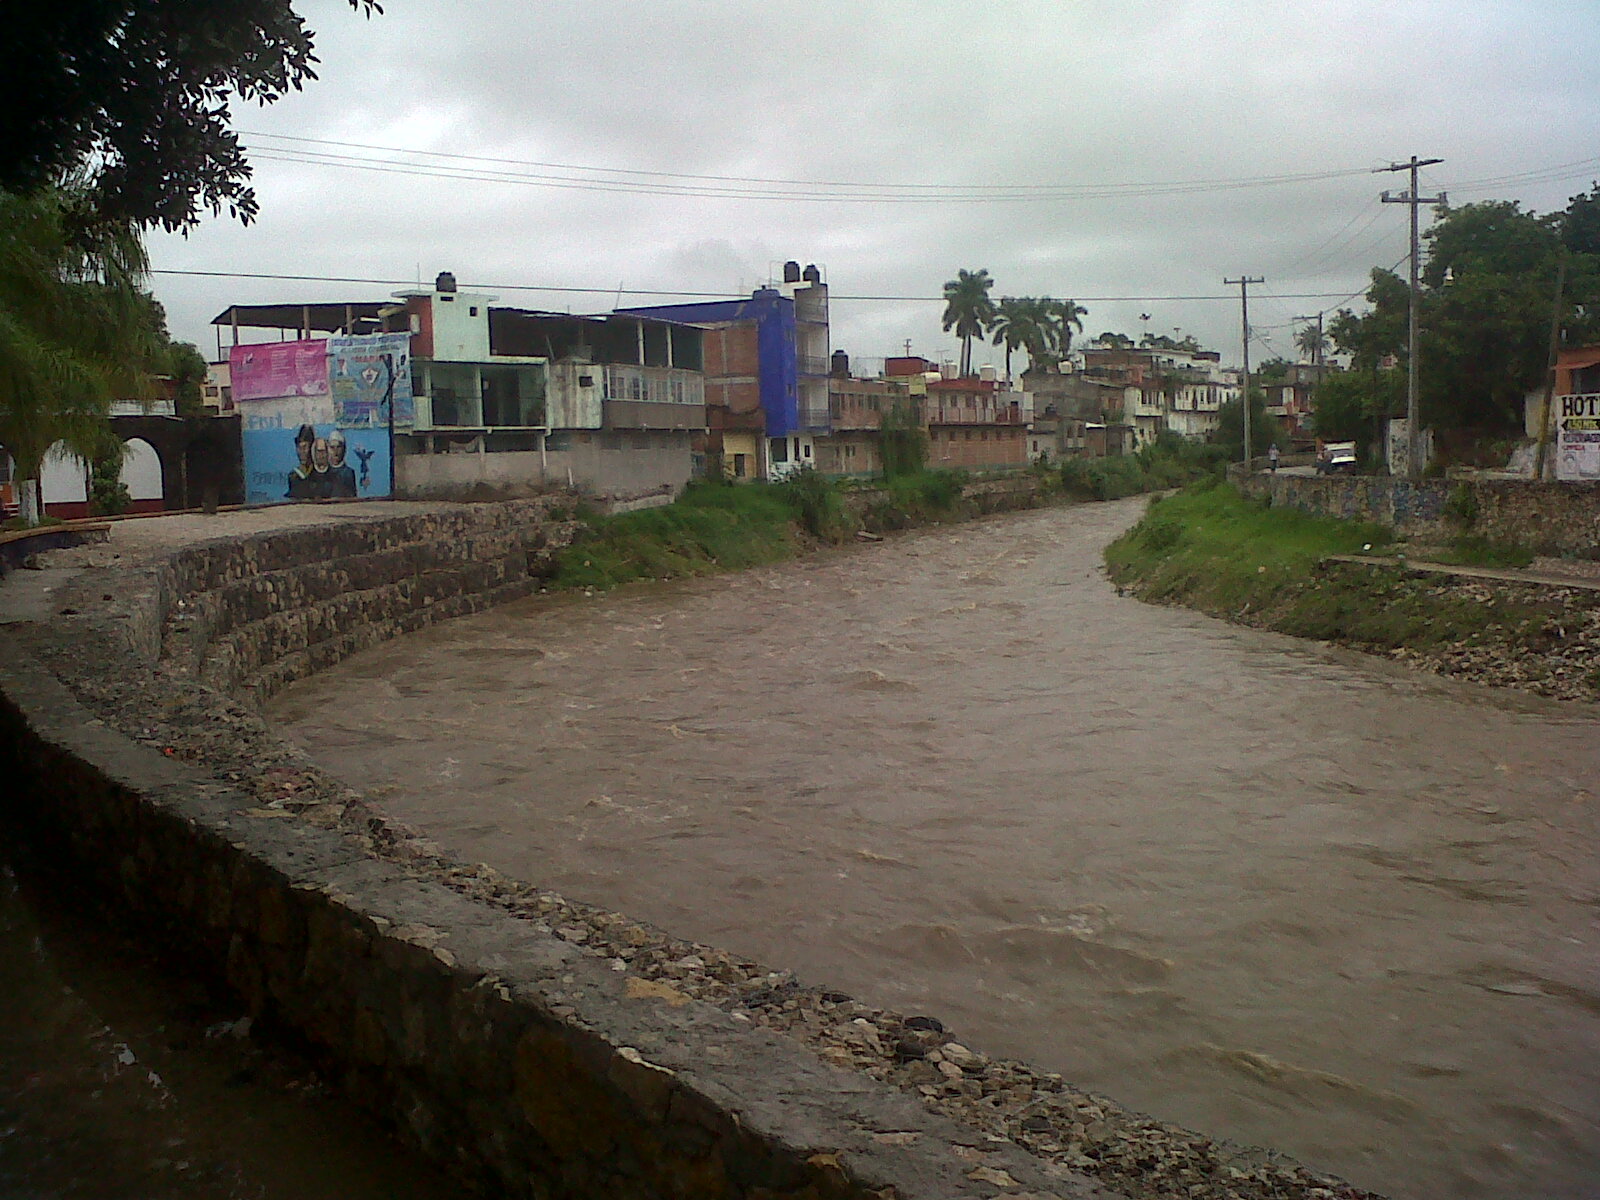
(926, 92)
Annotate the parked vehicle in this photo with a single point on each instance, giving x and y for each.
(1337, 458)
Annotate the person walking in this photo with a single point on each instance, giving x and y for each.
(1272, 457)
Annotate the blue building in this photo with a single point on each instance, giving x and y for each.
(766, 373)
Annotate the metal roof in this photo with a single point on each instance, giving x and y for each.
(323, 318)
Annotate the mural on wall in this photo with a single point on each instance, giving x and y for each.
(315, 415)
(1578, 437)
(368, 373)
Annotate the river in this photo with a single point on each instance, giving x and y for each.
(1270, 890)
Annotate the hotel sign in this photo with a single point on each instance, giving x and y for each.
(1578, 437)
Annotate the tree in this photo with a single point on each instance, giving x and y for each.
(1379, 334)
(1273, 370)
(187, 369)
(1069, 314)
(136, 96)
(1011, 316)
(1312, 342)
(968, 310)
(76, 330)
(904, 438)
(1114, 341)
(1350, 406)
(1229, 432)
(1487, 288)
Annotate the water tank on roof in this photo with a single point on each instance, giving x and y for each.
(446, 282)
(841, 364)
(791, 272)
(988, 373)
(811, 274)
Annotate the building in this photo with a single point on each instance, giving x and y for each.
(1165, 389)
(767, 369)
(1071, 414)
(489, 400)
(169, 463)
(974, 423)
(1289, 399)
(856, 411)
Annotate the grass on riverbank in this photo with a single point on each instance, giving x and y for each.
(719, 526)
(1213, 550)
(711, 527)
(1168, 462)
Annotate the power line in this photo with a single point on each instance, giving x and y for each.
(606, 291)
(555, 174)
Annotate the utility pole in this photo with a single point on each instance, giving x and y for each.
(1414, 465)
(1244, 282)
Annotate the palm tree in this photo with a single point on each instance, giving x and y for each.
(1312, 342)
(1041, 334)
(1009, 326)
(968, 310)
(76, 330)
(1068, 313)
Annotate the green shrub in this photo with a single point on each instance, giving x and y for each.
(818, 505)
(1461, 505)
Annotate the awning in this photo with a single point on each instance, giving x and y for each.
(317, 318)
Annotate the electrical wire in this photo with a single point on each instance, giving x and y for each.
(627, 291)
(619, 179)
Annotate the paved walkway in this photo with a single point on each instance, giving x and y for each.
(1554, 577)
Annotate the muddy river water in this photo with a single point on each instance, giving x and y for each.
(1276, 892)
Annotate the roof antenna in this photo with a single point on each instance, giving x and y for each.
(618, 304)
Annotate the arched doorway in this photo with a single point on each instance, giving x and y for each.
(141, 475)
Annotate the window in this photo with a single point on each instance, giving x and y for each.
(780, 450)
(513, 396)
(456, 399)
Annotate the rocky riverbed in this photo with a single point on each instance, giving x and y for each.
(1555, 653)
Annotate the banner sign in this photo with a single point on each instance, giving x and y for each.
(270, 370)
(1578, 437)
(360, 371)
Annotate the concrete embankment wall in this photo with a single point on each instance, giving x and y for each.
(526, 1065)
(1552, 518)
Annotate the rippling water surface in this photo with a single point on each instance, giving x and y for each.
(1275, 892)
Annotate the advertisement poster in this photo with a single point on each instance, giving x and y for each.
(1578, 437)
(359, 373)
(268, 370)
(297, 443)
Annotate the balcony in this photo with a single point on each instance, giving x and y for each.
(960, 414)
(809, 364)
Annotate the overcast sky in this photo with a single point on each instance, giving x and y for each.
(1077, 115)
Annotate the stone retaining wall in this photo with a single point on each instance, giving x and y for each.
(1551, 518)
(251, 615)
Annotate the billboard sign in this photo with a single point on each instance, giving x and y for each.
(1578, 437)
(271, 370)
